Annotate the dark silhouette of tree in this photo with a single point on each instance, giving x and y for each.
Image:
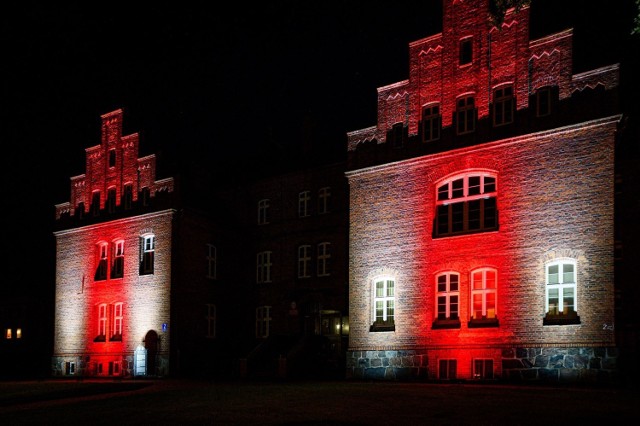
(498, 8)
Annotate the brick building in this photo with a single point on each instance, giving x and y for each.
(482, 210)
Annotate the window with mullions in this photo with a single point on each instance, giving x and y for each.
(147, 254)
(102, 323)
(465, 115)
(116, 332)
(484, 295)
(561, 302)
(383, 305)
(503, 103)
(304, 261)
(447, 369)
(447, 300)
(102, 258)
(466, 204)
(263, 267)
(431, 123)
(324, 200)
(324, 259)
(210, 318)
(263, 212)
(263, 321)
(303, 203)
(117, 265)
(212, 262)
(482, 369)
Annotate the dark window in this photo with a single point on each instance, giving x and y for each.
(431, 123)
(145, 195)
(466, 51)
(543, 101)
(111, 200)
(112, 158)
(127, 196)
(95, 203)
(503, 103)
(397, 135)
(465, 115)
(147, 250)
(447, 369)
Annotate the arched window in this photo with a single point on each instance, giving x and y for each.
(147, 253)
(561, 291)
(447, 300)
(484, 298)
(383, 309)
(101, 261)
(466, 203)
(117, 261)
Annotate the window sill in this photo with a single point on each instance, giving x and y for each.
(560, 319)
(116, 338)
(483, 323)
(443, 324)
(462, 233)
(100, 338)
(380, 327)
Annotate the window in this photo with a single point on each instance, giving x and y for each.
(111, 200)
(397, 135)
(447, 369)
(324, 198)
(212, 260)
(95, 203)
(483, 369)
(145, 196)
(147, 251)
(127, 196)
(447, 300)
(466, 204)
(324, 258)
(503, 103)
(561, 303)
(101, 269)
(9, 334)
(484, 294)
(263, 267)
(210, 318)
(112, 158)
(303, 203)
(263, 320)
(263, 212)
(102, 323)
(431, 123)
(383, 304)
(18, 333)
(117, 322)
(466, 50)
(543, 101)
(117, 267)
(465, 115)
(304, 259)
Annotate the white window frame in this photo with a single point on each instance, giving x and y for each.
(118, 259)
(304, 261)
(263, 321)
(263, 211)
(212, 262)
(303, 203)
(561, 285)
(384, 300)
(484, 293)
(324, 195)
(323, 259)
(448, 293)
(103, 259)
(211, 320)
(263, 267)
(117, 319)
(147, 250)
(102, 319)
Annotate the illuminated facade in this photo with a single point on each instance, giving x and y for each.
(113, 263)
(482, 211)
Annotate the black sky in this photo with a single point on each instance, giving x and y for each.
(201, 81)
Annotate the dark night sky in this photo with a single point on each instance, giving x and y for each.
(201, 82)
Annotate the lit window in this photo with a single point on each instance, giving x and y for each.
(212, 261)
(465, 204)
(304, 259)
(117, 267)
(543, 101)
(111, 200)
(303, 203)
(147, 253)
(9, 334)
(324, 259)
(447, 369)
(465, 115)
(383, 304)
(101, 268)
(263, 212)
(263, 267)
(431, 123)
(561, 302)
(483, 369)
(324, 198)
(102, 322)
(117, 322)
(18, 333)
(503, 103)
(447, 300)
(210, 318)
(263, 320)
(484, 295)
(466, 51)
